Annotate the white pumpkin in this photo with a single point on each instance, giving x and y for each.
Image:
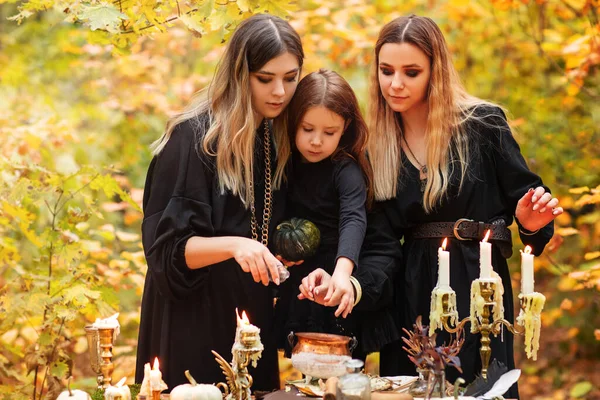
(119, 391)
(195, 391)
(73, 394)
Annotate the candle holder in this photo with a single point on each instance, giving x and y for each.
(106, 337)
(483, 324)
(93, 339)
(245, 350)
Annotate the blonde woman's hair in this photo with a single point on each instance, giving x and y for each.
(450, 107)
(227, 101)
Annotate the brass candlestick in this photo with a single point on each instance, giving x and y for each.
(239, 380)
(483, 326)
(106, 344)
(93, 340)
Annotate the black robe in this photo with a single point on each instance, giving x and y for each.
(331, 194)
(498, 177)
(187, 313)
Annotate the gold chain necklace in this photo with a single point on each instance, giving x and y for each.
(422, 168)
(268, 205)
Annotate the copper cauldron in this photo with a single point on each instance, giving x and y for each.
(322, 343)
(321, 355)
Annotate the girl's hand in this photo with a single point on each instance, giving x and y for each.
(288, 263)
(340, 293)
(254, 257)
(536, 209)
(315, 286)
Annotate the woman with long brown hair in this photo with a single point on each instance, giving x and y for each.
(211, 200)
(445, 164)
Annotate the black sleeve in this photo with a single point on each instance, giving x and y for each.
(513, 175)
(378, 264)
(377, 274)
(176, 207)
(352, 194)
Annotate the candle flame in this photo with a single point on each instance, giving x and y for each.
(527, 250)
(487, 236)
(444, 243)
(243, 319)
(155, 367)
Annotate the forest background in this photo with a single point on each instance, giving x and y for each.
(87, 85)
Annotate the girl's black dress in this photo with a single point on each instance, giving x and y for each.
(498, 177)
(331, 194)
(187, 313)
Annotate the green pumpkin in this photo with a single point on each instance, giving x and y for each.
(296, 239)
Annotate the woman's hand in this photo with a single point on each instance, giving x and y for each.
(254, 257)
(315, 286)
(536, 209)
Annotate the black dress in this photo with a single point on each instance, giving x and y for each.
(187, 313)
(498, 177)
(332, 195)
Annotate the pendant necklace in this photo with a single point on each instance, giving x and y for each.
(422, 168)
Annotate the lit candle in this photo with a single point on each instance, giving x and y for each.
(526, 271)
(155, 377)
(443, 266)
(244, 325)
(485, 258)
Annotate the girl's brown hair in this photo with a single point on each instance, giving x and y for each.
(328, 89)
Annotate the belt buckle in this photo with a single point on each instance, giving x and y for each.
(457, 226)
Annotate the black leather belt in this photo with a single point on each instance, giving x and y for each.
(466, 229)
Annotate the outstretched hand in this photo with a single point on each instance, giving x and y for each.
(314, 286)
(537, 208)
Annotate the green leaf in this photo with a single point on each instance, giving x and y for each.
(80, 295)
(45, 339)
(104, 17)
(206, 8)
(247, 5)
(581, 389)
(195, 23)
(59, 369)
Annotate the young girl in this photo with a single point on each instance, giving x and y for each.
(211, 200)
(330, 185)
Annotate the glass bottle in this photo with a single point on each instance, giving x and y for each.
(419, 387)
(354, 385)
(283, 273)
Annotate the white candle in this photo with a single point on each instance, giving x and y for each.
(443, 266)
(485, 258)
(155, 376)
(526, 271)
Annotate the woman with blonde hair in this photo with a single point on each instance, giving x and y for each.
(212, 198)
(445, 164)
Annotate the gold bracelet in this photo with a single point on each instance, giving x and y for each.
(531, 233)
(357, 288)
